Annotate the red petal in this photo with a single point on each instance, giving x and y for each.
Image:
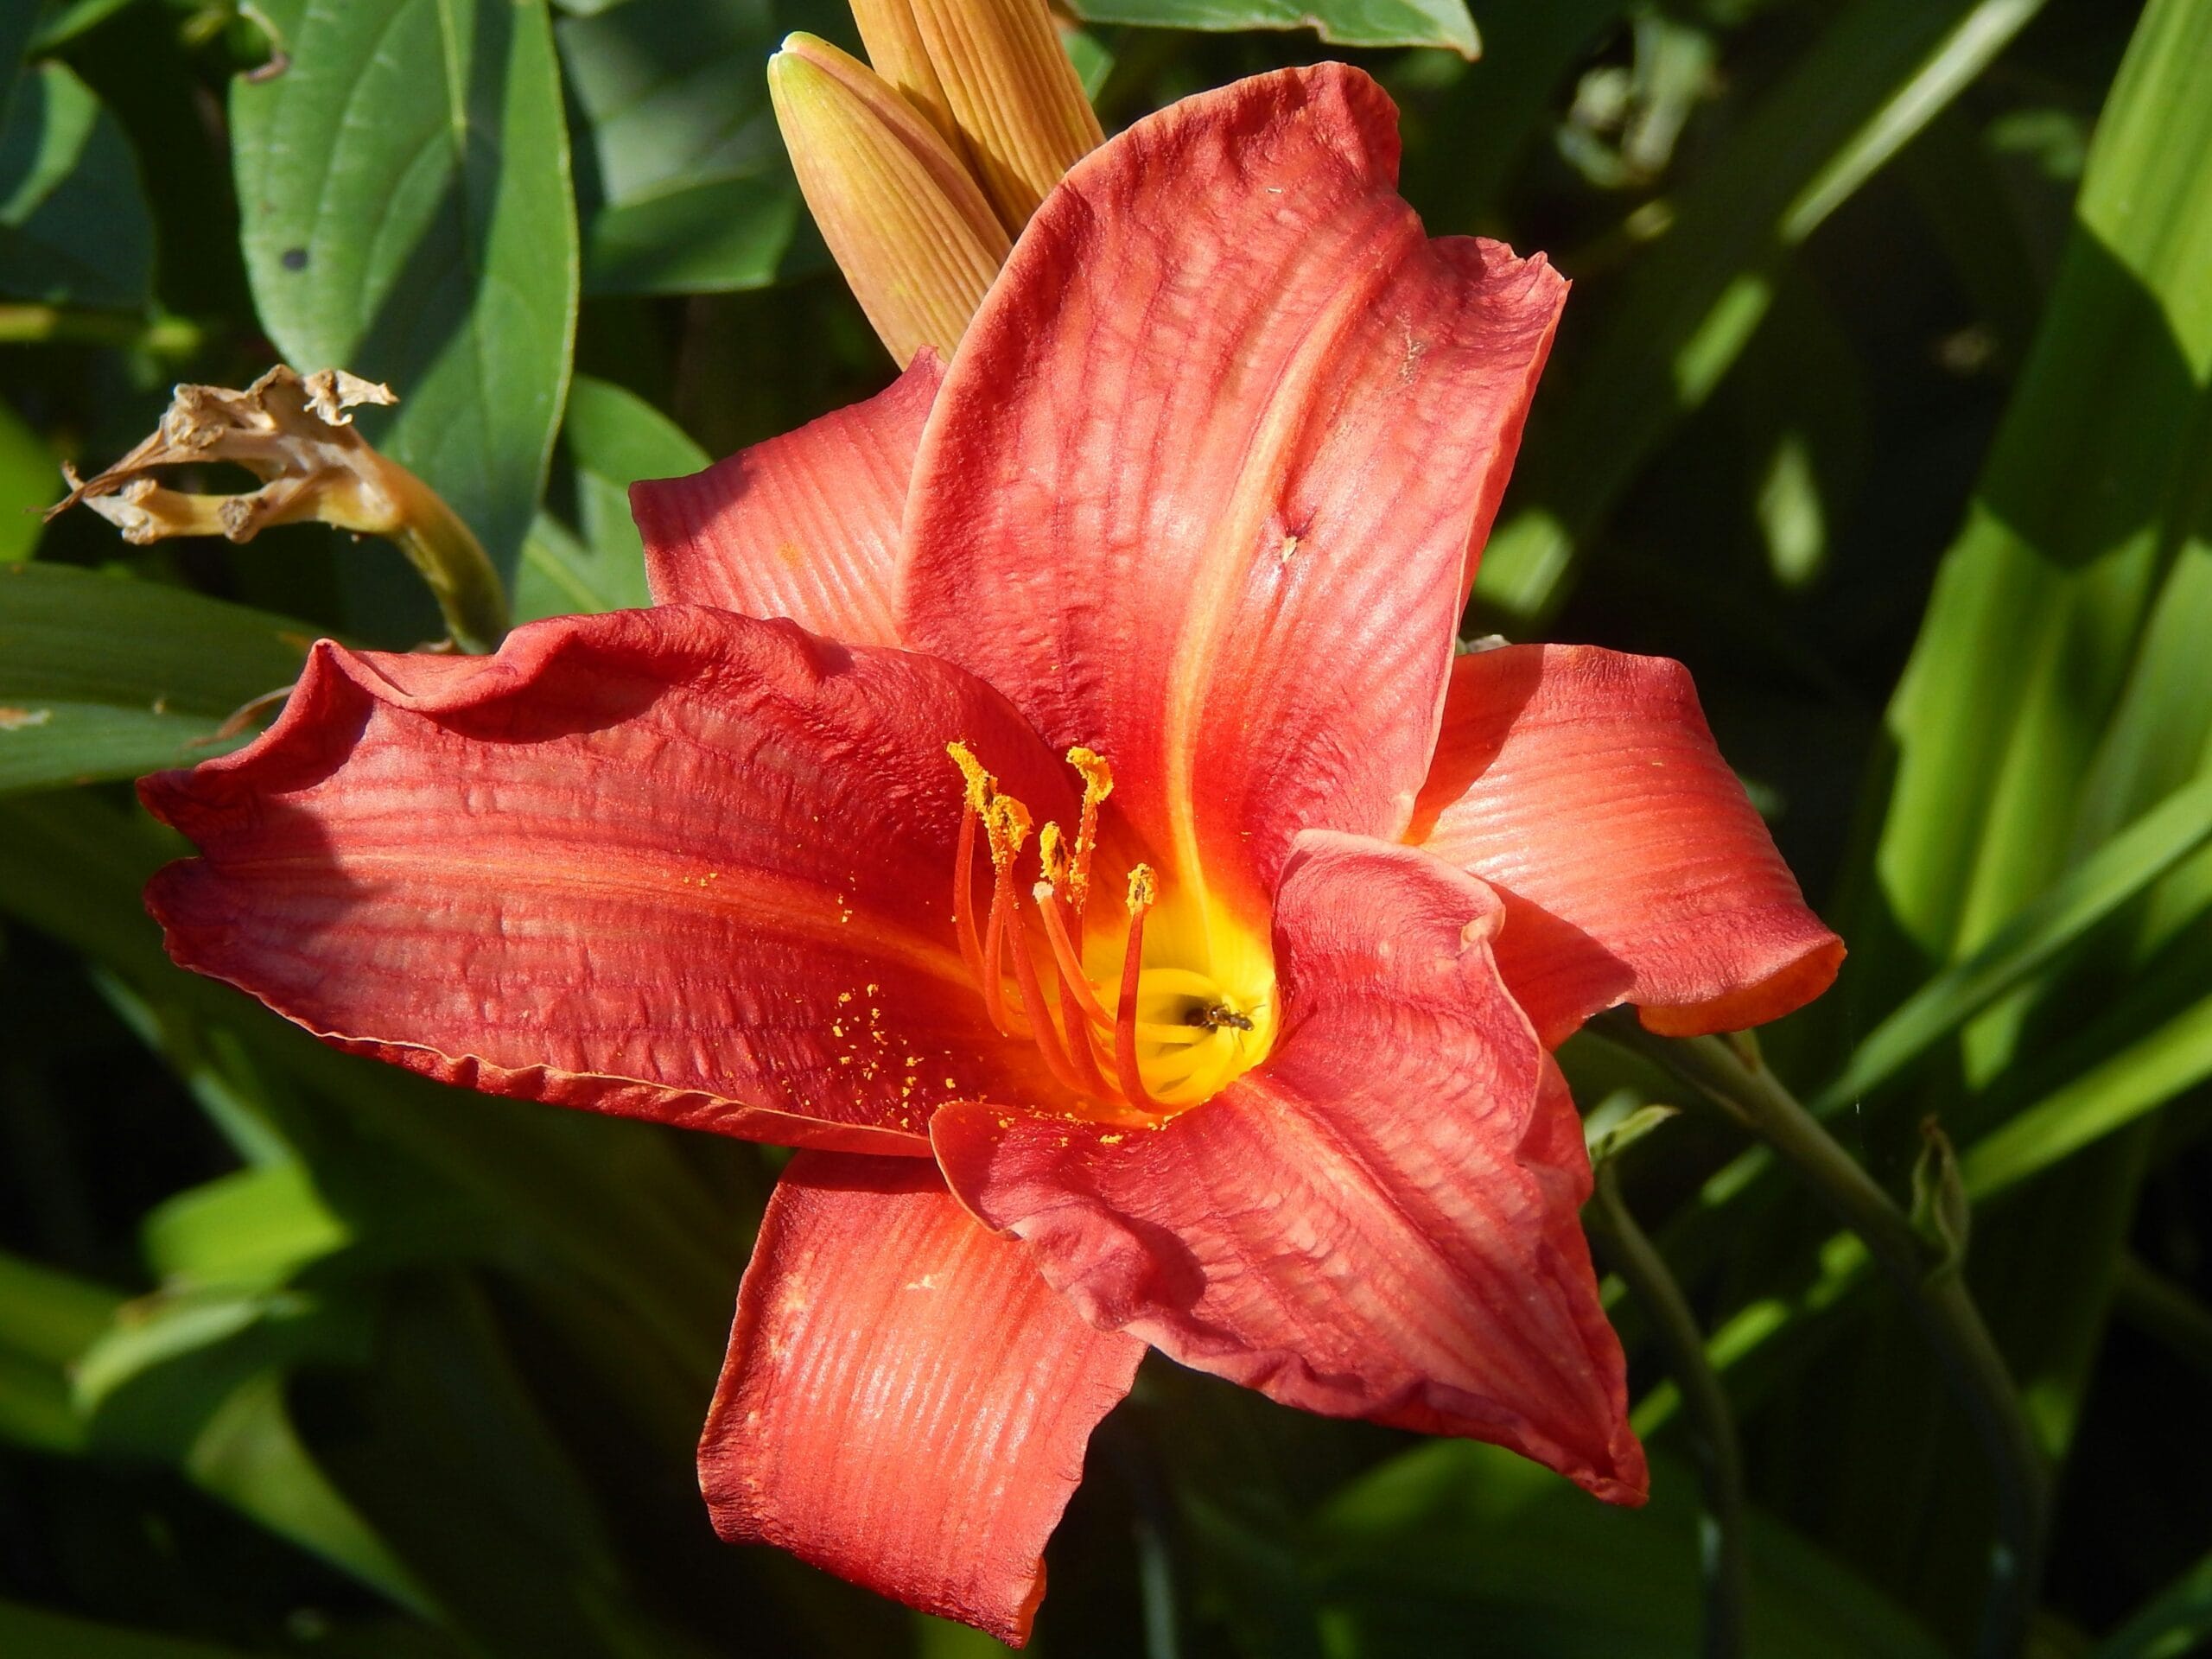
(806, 525)
(1585, 786)
(1211, 460)
(674, 863)
(905, 1402)
(1381, 1221)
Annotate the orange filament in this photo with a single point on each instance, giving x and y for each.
(1066, 956)
(963, 895)
(1006, 825)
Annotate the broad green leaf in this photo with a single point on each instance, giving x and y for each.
(73, 225)
(615, 438)
(560, 575)
(37, 1631)
(407, 215)
(105, 677)
(686, 188)
(1456, 1536)
(2120, 871)
(1342, 22)
(1878, 73)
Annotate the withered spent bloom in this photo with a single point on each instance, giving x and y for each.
(295, 433)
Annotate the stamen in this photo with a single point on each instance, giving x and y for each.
(1075, 1018)
(964, 896)
(1052, 855)
(1143, 890)
(982, 787)
(1097, 785)
(1040, 1020)
(1006, 824)
(1065, 954)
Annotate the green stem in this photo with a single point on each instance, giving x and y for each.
(1713, 1425)
(459, 573)
(1939, 1301)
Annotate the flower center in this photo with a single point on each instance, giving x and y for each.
(1158, 1013)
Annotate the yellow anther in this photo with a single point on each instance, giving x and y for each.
(1144, 888)
(1097, 776)
(1097, 785)
(982, 786)
(1005, 821)
(1052, 855)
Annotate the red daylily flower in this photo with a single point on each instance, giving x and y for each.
(1244, 1052)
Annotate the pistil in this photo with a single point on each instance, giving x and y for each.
(1144, 891)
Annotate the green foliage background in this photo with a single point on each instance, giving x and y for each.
(1883, 400)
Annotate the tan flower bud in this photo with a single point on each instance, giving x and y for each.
(912, 233)
(1015, 96)
(896, 51)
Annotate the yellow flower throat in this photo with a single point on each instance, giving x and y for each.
(1157, 1015)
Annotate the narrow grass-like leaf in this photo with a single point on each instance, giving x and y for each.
(46, 1319)
(2174, 1624)
(2120, 871)
(1456, 1536)
(253, 1229)
(102, 677)
(2140, 1078)
(35, 1630)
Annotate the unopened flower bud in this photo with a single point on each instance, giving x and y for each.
(914, 236)
(1013, 91)
(897, 52)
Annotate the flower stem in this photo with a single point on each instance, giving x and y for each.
(1937, 1295)
(459, 573)
(1720, 1460)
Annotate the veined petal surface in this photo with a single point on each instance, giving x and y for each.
(1202, 485)
(1381, 1220)
(804, 525)
(674, 863)
(1585, 786)
(905, 1402)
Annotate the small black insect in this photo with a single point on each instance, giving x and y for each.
(1218, 1017)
